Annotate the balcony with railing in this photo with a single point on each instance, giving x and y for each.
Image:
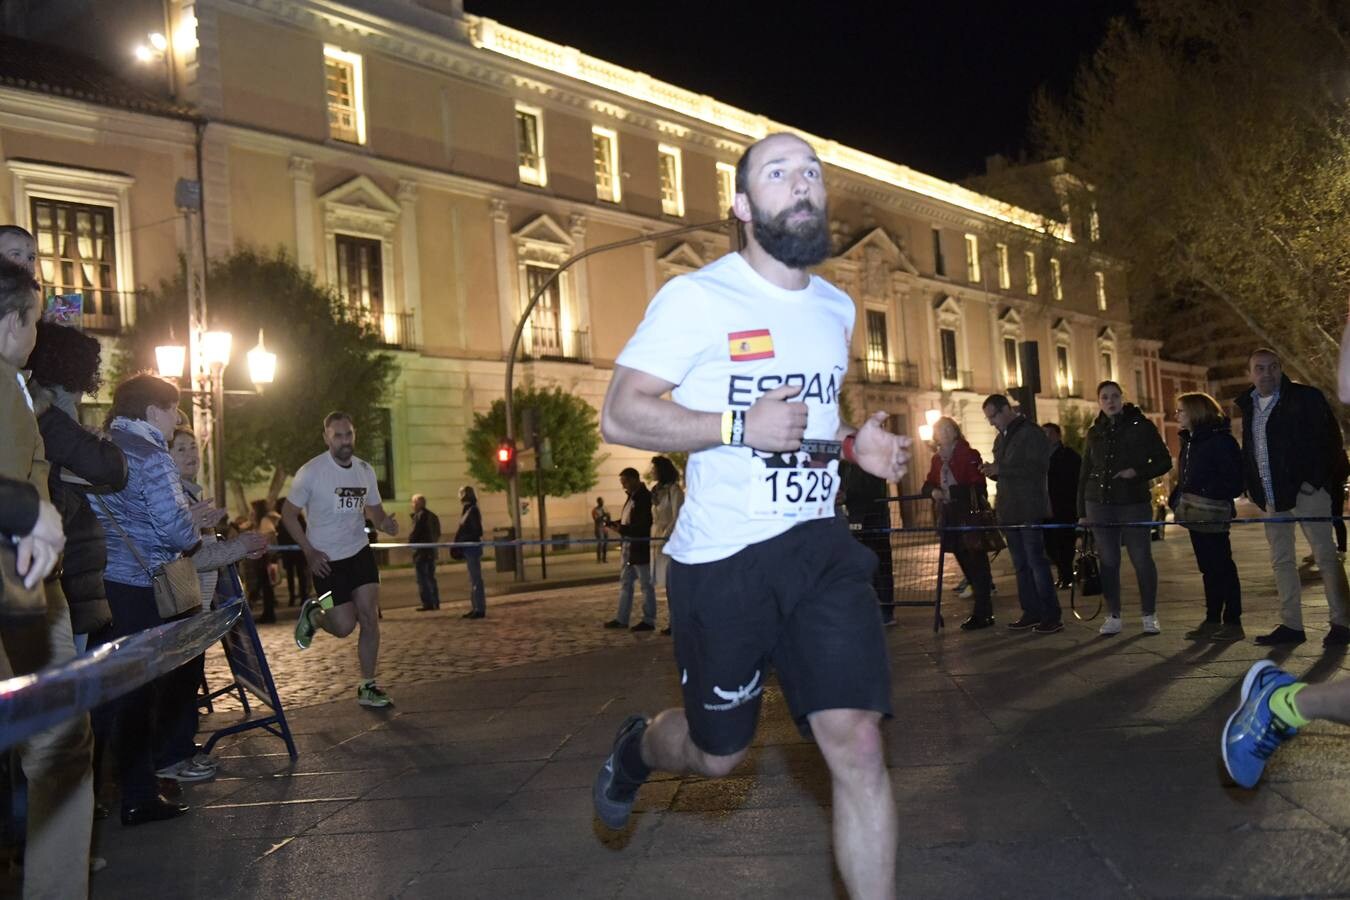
(393, 329)
(547, 343)
(1071, 389)
(964, 381)
(884, 371)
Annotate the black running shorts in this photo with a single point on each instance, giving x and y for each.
(346, 575)
(801, 602)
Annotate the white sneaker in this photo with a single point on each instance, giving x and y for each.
(1111, 625)
(1151, 625)
(966, 592)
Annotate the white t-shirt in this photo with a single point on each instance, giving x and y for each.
(724, 336)
(334, 499)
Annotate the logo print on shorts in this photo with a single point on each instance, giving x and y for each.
(737, 697)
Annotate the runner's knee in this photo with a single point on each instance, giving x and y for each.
(850, 740)
(711, 766)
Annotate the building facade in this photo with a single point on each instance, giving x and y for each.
(435, 168)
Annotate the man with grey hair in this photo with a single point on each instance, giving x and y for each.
(1285, 435)
(426, 529)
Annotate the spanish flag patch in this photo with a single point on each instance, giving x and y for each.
(748, 345)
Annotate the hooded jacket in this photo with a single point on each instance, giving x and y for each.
(1115, 443)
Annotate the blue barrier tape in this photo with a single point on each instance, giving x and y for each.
(30, 703)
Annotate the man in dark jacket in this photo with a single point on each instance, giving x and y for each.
(426, 529)
(1284, 440)
(1021, 465)
(1063, 483)
(635, 527)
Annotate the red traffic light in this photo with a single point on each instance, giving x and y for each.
(506, 458)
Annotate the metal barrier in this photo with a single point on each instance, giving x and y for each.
(30, 703)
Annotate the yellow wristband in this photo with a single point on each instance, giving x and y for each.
(727, 418)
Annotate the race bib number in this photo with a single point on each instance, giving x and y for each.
(788, 486)
(350, 499)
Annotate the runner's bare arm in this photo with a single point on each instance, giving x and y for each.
(877, 451)
(635, 415)
(383, 521)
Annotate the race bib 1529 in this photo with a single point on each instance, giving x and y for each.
(792, 486)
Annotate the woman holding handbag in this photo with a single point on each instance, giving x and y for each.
(954, 481)
(1210, 477)
(149, 524)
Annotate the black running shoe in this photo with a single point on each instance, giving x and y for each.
(613, 793)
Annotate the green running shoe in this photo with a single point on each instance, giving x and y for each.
(370, 695)
(305, 627)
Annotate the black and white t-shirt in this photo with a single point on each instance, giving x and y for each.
(724, 335)
(334, 499)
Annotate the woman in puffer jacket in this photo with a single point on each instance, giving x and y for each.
(1124, 453)
(65, 366)
(155, 514)
(1210, 476)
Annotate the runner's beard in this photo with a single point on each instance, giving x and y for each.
(343, 454)
(797, 245)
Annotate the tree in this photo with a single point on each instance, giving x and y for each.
(1216, 135)
(569, 422)
(326, 359)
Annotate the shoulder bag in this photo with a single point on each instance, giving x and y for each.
(1203, 514)
(988, 539)
(17, 600)
(177, 588)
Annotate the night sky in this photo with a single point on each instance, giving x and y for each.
(936, 86)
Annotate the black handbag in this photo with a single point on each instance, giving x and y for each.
(988, 539)
(1087, 576)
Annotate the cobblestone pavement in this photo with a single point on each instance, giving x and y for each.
(427, 646)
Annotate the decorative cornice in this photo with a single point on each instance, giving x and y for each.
(301, 168)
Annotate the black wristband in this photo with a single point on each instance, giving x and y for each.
(738, 428)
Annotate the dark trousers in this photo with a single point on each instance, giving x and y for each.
(297, 572)
(427, 589)
(1223, 590)
(156, 717)
(884, 579)
(1059, 543)
(975, 566)
(260, 588)
(601, 545)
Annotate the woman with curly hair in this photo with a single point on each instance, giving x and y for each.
(65, 366)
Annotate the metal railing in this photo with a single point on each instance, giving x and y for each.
(393, 329)
(882, 371)
(546, 343)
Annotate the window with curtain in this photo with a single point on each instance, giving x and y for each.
(950, 368)
(360, 271)
(877, 356)
(77, 254)
(546, 337)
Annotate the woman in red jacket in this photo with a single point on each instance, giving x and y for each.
(954, 481)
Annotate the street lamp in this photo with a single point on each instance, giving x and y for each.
(215, 350)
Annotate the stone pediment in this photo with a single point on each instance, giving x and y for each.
(542, 229)
(683, 257)
(877, 247)
(1010, 316)
(1107, 334)
(364, 194)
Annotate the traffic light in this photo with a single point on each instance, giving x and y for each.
(506, 459)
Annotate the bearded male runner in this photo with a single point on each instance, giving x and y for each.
(754, 349)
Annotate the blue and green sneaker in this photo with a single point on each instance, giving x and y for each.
(1254, 731)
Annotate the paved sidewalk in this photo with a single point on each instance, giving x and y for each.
(1023, 766)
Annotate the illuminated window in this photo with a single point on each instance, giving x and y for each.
(1094, 225)
(1056, 284)
(726, 187)
(1011, 370)
(606, 145)
(1101, 289)
(530, 145)
(1033, 286)
(346, 101)
(877, 353)
(76, 255)
(672, 181)
(1063, 372)
(939, 262)
(1004, 273)
(1108, 366)
(951, 371)
(972, 258)
(360, 276)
